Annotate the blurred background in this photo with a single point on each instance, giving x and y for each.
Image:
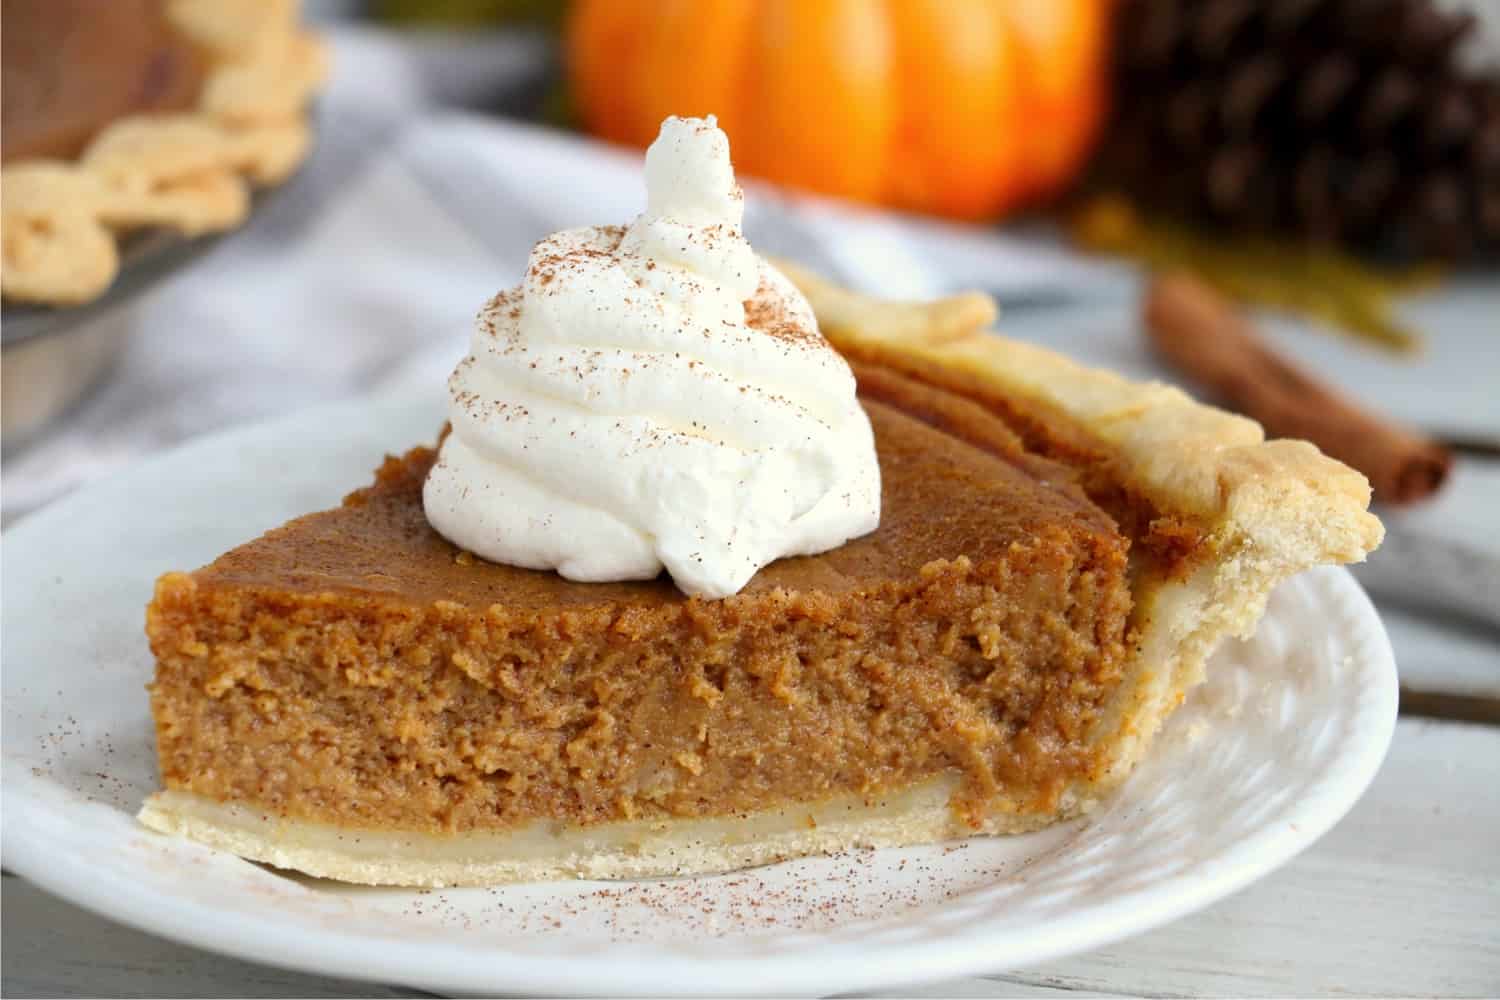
(355, 176)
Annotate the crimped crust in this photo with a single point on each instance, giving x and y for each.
(1264, 509)
(1189, 456)
(187, 171)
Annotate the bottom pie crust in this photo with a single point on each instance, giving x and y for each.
(545, 851)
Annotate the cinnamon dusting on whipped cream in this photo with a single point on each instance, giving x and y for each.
(655, 396)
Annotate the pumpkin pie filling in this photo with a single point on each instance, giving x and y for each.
(355, 669)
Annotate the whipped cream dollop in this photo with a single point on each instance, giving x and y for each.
(655, 396)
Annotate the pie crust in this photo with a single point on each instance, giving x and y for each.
(544, 851)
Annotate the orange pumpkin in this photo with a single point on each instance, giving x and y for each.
(963, 108)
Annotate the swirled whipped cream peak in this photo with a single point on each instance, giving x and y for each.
(655, 396)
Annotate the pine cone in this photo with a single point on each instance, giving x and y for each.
(1341, 120)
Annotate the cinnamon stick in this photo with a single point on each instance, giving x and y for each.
(1210, 342)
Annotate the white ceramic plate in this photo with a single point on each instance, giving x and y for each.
(1262, 760)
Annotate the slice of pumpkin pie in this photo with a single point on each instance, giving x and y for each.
(961, 602)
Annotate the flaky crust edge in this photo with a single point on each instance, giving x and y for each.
(1188, 455)
(1270, 508)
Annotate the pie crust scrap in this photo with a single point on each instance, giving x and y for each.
(185, 163)
(1059, 551)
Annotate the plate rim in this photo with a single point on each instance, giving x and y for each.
(113, 893)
